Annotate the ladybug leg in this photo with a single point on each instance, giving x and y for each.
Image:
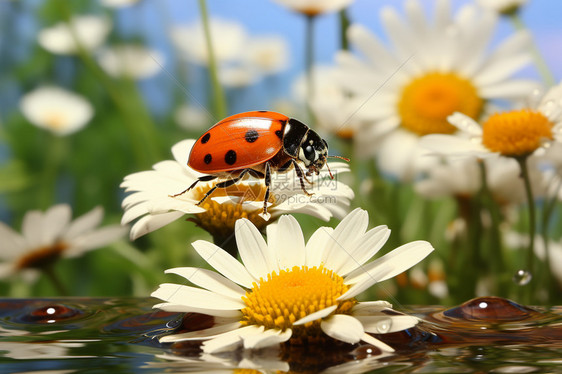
(287, 165)
(301, 176)
(267, 184)
(224, 184)
(204, 178)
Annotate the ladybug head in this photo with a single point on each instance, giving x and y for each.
(313, 152)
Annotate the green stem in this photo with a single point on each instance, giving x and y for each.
(532, 219)
(219, 100)
(344, 25)
(141, 128)
(309, 64)
(49, 271)
(548, 210)
(55, 155)
(542, 67)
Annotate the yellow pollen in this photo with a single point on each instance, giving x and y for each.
(292, 294)
(516, 133)
(427, 101)
(42, 256)
(219, 219)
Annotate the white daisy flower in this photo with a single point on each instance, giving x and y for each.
(131, 61)
(90, 31)
(462, 179)
(269, 54)
(435, 68)
(315, 7)
(153, 199)
(56, 109)
(332, 106)
(118, 3)
(229, 39)
(49, 236)
(502, 6)
(286, 290)
(516, 133)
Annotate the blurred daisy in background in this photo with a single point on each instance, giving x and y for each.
(49, 236)
(193, 117)
(153, 201)
(132, 61)
(90, 32)
(291, 291)
(268, 54)
(314, 7)
(433, 69)
(332, 107)
(118, 3)
(56, 109)
(228, 38)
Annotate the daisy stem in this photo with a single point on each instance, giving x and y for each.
(540, 63)
(49, 271)
(54, 157)
(219, 99)
(532, 219)
(548, 210)
(135, 118)
(344, 25)
(309, 63)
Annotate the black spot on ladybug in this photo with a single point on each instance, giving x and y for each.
(262, 111)
(208, 158)
(251, 136)
(205, 138)
(230, 157)
(279, 134)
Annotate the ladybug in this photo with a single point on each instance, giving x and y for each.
(258, 143)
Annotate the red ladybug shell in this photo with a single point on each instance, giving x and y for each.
(238, 142)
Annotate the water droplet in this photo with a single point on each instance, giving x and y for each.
(384, 326)
(522, 277)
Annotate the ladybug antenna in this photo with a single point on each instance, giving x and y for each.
(329, 171)
(341, 158)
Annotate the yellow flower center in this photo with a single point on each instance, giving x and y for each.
(55, 120)
(516, 133)
(427, 101)
(292, 294)
(41, 257)
(219, 218)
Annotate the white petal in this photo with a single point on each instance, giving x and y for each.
(316, 246)
(251, 247)
(267, 338)
(465, 124)
(84, 223)
(316, 315)
(182, 308)
(377, 343)
(369, 307)
(383, 324)
(32, 229)
(151, 223)
(452, 145)
(196, 297)
(369, 277)
(201, 334)
(224, 263)
(343, 327)
(230, 340)
(210, 281)
(344, 238)
(394, 263)
(97, 239)
(291, 251)
(56, 220)
(12, 244)
(369, 245)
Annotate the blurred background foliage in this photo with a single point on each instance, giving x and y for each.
(136, 121)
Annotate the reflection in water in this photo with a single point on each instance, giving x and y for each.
(71, 335)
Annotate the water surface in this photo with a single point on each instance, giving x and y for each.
(85, 335)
